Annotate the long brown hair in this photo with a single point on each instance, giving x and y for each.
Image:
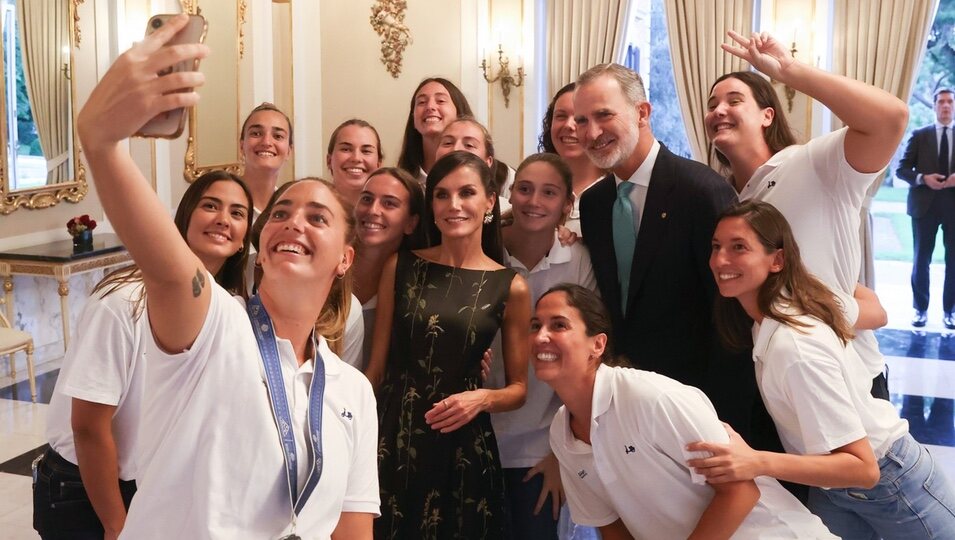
(334, 315)
(778, 134)
(412, 145)
(793, 287)
(232, 274)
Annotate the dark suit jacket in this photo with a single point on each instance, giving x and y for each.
(668, 328)
(921, 157)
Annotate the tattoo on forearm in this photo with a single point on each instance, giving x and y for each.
(198, 283)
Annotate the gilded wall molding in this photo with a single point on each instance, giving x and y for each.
(388, 21)
(242, 9)
(192, 169)
(77, 34)
(51, 194)
(44, 197)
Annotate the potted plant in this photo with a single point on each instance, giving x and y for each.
(81, 229)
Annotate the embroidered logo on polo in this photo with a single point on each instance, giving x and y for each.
(582, 473)
(629, 449)
(346, 414)
(771, 184)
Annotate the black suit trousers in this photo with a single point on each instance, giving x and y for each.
(924, 232)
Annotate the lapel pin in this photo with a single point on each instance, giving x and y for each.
(663, 215)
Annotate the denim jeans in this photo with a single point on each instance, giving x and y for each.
(61, 507)
(913, 499)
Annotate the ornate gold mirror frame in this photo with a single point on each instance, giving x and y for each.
(48, 195)
(213, 138)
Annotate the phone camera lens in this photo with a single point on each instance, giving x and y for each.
(156, 23)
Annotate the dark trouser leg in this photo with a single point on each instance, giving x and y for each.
(61, 507)
(924, 230)
(948, 240)
(521, 500)
(880, 387)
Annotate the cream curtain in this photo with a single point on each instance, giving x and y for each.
(582, 34)
(697, 28)
(880, 42)
(44, 31)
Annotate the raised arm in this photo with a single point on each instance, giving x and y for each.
(876, 119)
(381, 340)
(129, 95)
(459, 409)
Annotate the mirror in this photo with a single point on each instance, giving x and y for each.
(39, 165)
(214, 124)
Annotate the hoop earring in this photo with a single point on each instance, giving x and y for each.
(488, 217)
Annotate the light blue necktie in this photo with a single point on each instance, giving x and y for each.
(624, 239)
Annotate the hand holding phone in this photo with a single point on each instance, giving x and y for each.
(170, 124)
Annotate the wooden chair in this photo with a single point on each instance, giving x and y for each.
(13, 341)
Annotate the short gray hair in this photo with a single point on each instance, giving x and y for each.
(629, 80)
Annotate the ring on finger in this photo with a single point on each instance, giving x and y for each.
(446, 406)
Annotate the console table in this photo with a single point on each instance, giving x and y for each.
(58, 261)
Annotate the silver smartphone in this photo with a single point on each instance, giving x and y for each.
(169, 125)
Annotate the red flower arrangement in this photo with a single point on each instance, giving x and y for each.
(77, 225)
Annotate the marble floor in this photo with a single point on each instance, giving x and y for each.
(921, 378)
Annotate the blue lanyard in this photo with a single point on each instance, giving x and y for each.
(268, 349)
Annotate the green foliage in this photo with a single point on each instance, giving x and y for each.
(29, 140)
(937, 71)
(666, 118)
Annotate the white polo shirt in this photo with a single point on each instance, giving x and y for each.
(212, 460)
(368, 311)
(635, 467)
(817, 392)
(522, 433)
(104, 364)
(354, 337)
(821, 196)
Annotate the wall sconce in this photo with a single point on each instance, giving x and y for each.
(790, 92)
(65, 56)
(507, 80)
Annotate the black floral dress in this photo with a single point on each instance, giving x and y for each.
(435, 485)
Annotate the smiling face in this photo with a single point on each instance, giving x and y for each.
(306, 235)
(561, 350)
(563, 128)
(734, 117)
(433, 109)
(459, 203)
(608, 124)
(739, 261)
(218, 224)
(539, 198)
(265, 143)
(464, 136)
(355, 155)
(383, 213)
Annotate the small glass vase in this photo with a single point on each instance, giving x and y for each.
(83, 241)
